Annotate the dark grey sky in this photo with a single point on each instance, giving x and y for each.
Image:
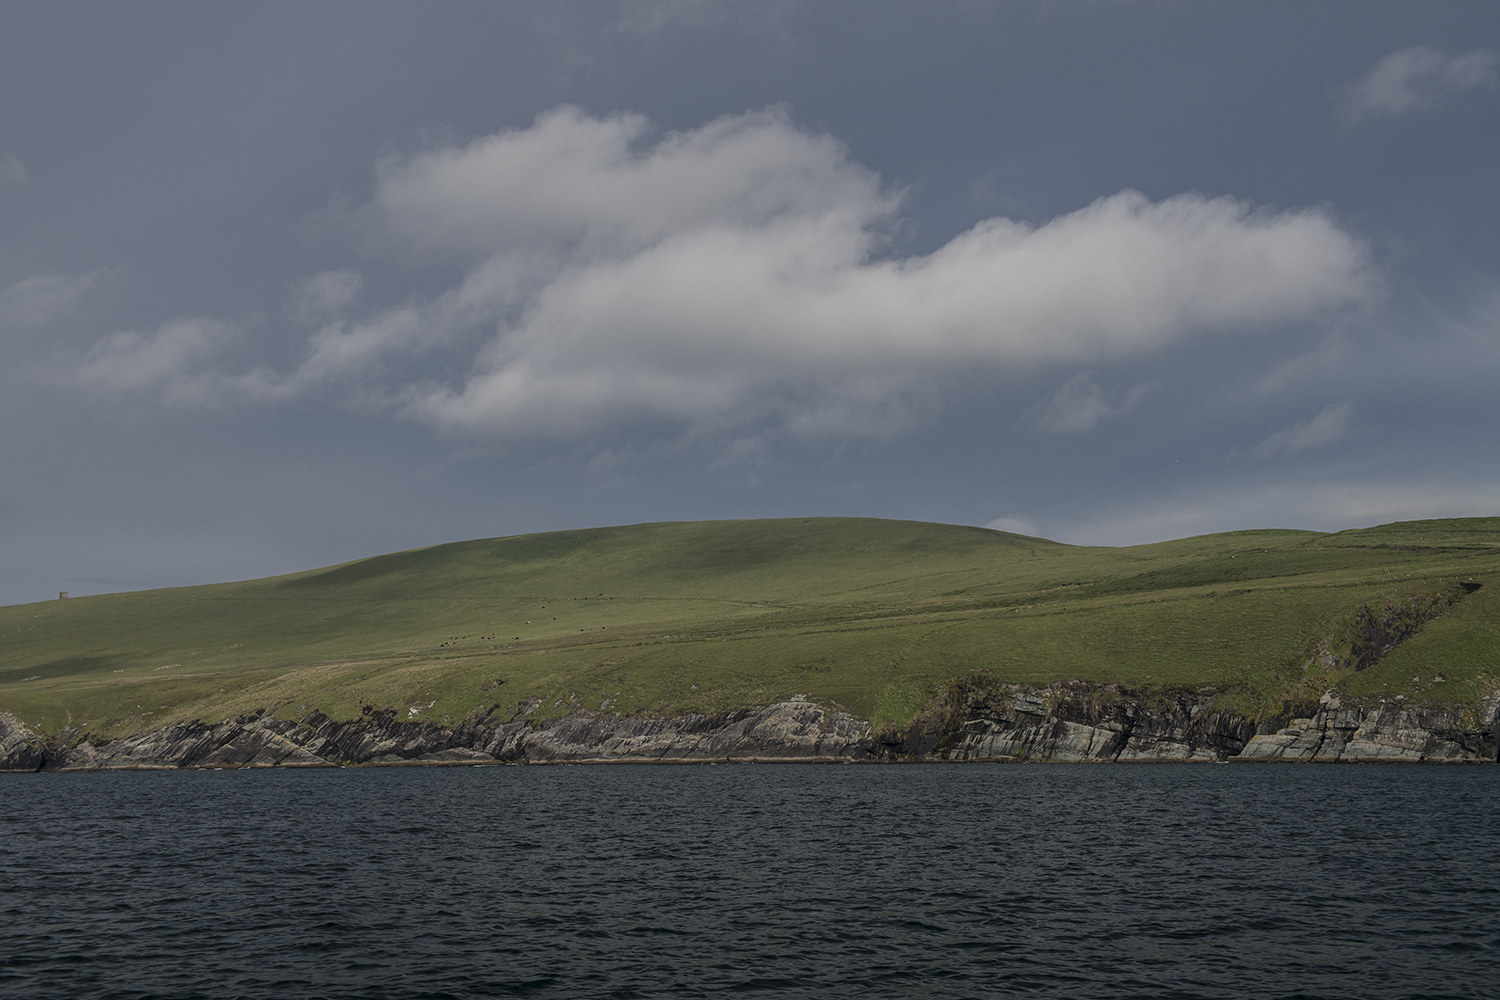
(283, 285)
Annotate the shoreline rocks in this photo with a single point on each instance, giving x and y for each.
(1386, 734)
(1083, 722)
(795, 730)
(1066, 722)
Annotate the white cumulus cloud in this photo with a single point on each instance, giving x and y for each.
(735, 271)
(604, 187)
(1418, 78)
(740, 274)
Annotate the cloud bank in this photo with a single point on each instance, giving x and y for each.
(740, 274)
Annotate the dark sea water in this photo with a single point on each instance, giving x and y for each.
(1159, 881)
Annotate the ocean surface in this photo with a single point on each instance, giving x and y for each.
(1154, 881)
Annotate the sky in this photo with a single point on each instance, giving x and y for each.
(284, 285)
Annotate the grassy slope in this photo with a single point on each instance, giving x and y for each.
(667, 618)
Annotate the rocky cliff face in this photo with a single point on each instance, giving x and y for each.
(1386, 733)
(1077, 721)
(791, 730)
(1073, 721)
(20, 748)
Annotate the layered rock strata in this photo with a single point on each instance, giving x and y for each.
(1072, 721)
(1077, 721)
(790, 730)
(1385, 733)
(20, 748)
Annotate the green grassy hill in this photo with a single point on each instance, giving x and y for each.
(871, 615)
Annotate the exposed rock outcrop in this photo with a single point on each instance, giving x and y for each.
(1078, 721)
(1071, 721)
(20, 748)
(1384, 733)
(796, 729)
(970, 721)
(792, 730)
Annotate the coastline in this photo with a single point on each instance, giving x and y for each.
(1070, 722)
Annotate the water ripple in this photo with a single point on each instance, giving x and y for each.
(773, 880)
